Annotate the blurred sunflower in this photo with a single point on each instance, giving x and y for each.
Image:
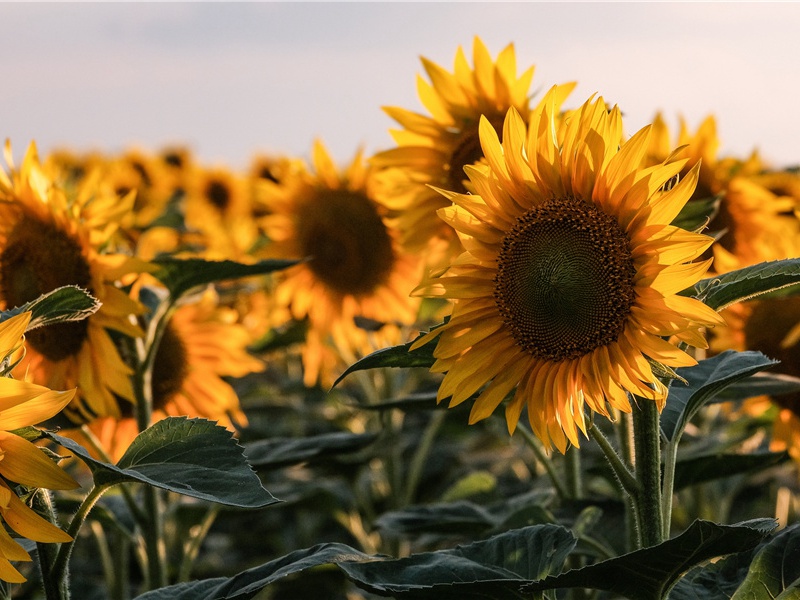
(355, 267)
(48, 240)
(568, 282)
(202, 344)
(23, 404)
(433, 150)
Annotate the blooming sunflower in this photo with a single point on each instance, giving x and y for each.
(23, 404)
(568, 282)
(433, 150)
(356, 268)
(202, 343)
(48, 240)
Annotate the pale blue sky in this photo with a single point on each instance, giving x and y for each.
(233, 79)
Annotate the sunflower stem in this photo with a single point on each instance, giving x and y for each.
(670, 460)
(627, 482)
(572, 462)
(54, 589)
(421, 454)
(192, 547)
(647, 451)
(58, 573)
(536, 446)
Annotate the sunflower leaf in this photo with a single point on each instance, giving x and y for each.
(692, 470)
(67, 303)
(395, 356)
(760, 384)
(183, 274)
(651, 572)
(695, 215)
(193, 457)
(776, 277)
(775, 570)
(282, 452)
(707, 379)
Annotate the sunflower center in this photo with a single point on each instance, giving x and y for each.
(564, 283)
(170, 368)
(769, 322)
(218, 194)
(468, 151)
(38, 258)
(349, 245)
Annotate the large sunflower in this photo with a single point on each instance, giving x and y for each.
(355, 267)
(23, 404)
(433, 150)
(202, 344)
(48, 240)
(568, 283)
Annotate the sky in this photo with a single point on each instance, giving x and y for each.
(230, 80)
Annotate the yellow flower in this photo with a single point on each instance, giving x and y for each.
(355, 267)
(48, 240)
(202, 343)
(23, 404)
(568, 283)
(433, 150)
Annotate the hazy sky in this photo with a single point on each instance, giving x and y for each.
(229, 80)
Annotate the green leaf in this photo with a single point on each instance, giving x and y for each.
(696, 214)
(277, 453)
(708, 467)
(743, 284)
(650, 573)
(760, 384)
(461, 517)
(291, 333)
(183, 274)
(707, 379)
(477, 482)
(775, 571)
(64, 304)
(713, 581)
(193, 457)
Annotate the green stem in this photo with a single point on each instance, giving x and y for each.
(536, 446)
(647, 450)
(422, 453)
(192, 548)
(154, 539)
(572, 461)
(668, 486)
(58, 573)
(625, 437)
(54, 589)
(625, 478)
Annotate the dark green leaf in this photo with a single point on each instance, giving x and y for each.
(650, 573)
(462, 517)
(706, 380)
(182, 274)
(68, 303)
(743, 284)
(193, 457)
(696, 214)
(760, 384)
(395, 356)
(410, 403)
(707, 467)
(276, 453)
(248, 583)
(713, 581)
(775, 571)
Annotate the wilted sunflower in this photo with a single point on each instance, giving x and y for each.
(23, 404)
(202, 343)
(433, 150)
(568, 283)
(48, 240)
(355, 267)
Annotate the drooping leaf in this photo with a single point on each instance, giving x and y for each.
(706, 379)
(64, 304)
(395, 356)
(277, 453)
(743, 284)
(193, 457)
(775, 571)
(714, 581)
(708, 467)
(182, 274)
(651, 572)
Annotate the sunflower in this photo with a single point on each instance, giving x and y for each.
(568, 282)
(48, 240)
(202, 343)
(433, 150)
(23, 404)
(355, 268)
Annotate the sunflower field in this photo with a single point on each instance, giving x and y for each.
(524, 353)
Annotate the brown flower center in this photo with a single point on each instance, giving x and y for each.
(38, 258)
(350, 248)
(218, 194)
(768, 324)
(468, 151)
(170, 368)
(564, 283)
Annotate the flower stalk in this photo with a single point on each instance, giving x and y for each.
(647, 451)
